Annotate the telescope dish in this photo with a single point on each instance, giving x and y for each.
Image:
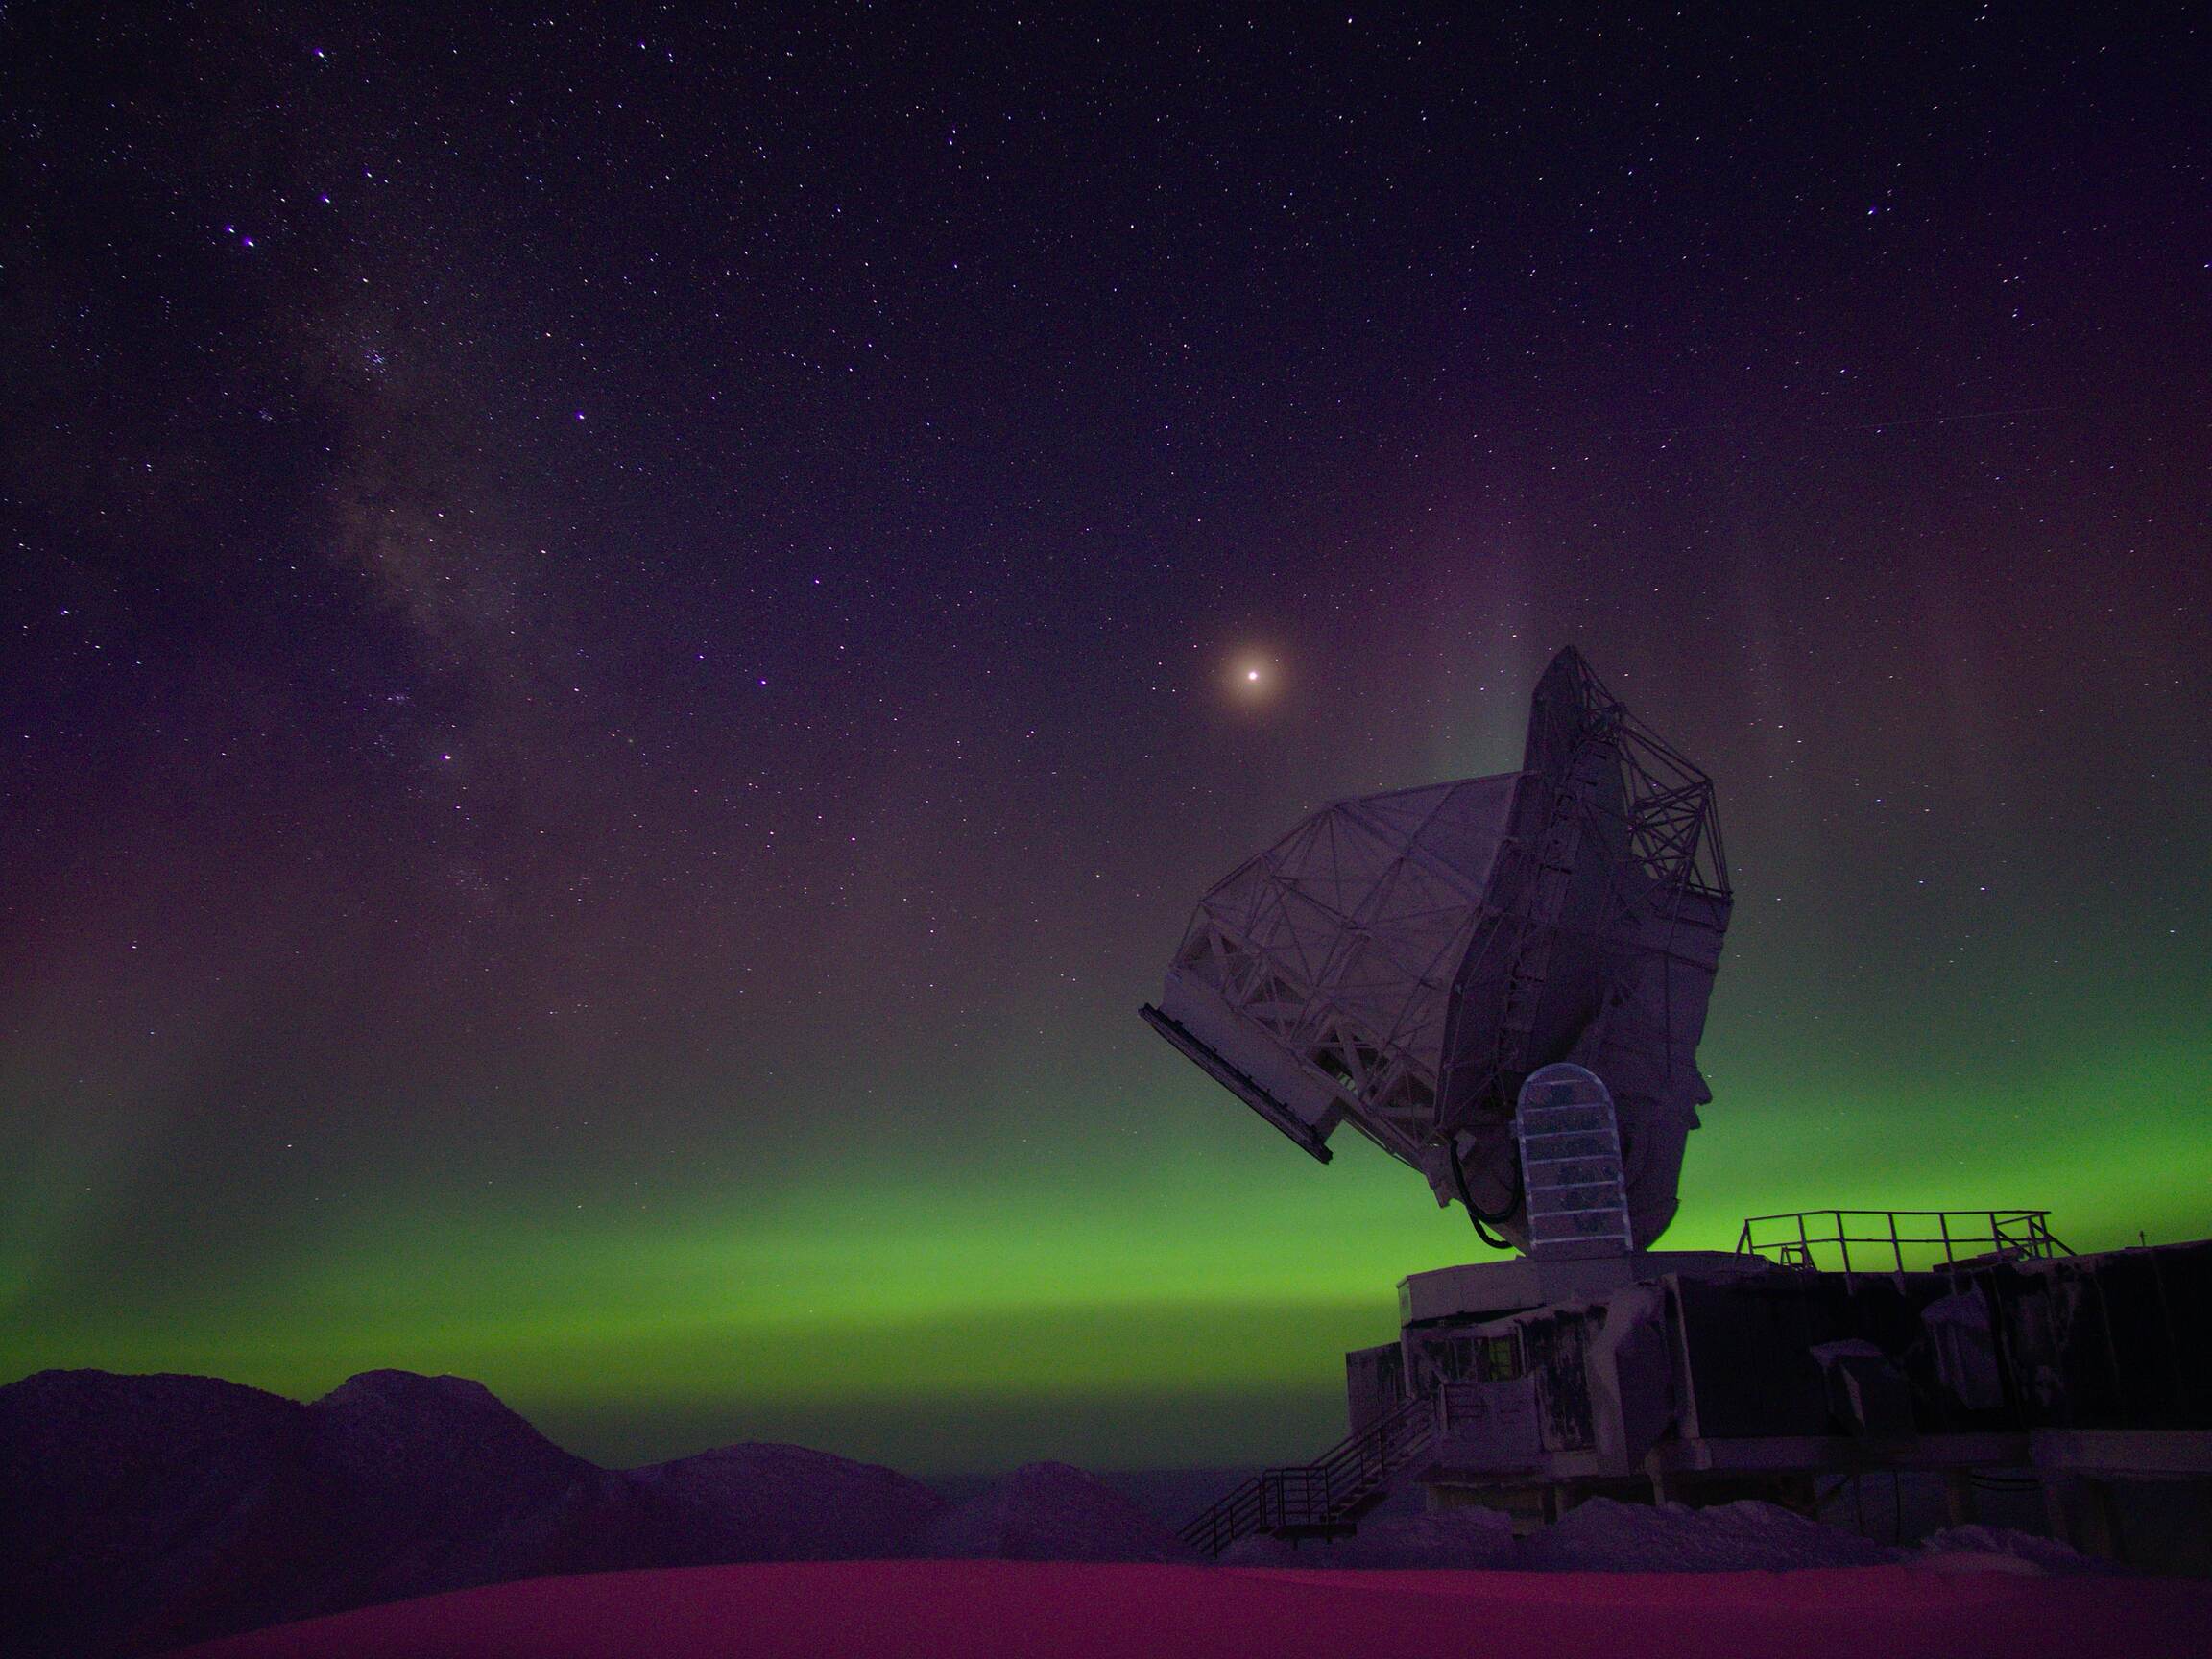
(1405, 961)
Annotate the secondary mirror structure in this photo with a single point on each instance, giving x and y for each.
(1403, 962)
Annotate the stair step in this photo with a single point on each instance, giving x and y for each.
(1331, 1492)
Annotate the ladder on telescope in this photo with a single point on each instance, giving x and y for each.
(1323, 1498)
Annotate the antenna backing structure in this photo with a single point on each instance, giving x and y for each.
(1402, 962)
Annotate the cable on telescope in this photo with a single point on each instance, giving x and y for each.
(1481, 1218)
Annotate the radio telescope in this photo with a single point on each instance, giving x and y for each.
(1402, 962)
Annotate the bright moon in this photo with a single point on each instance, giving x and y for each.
(1251, 679)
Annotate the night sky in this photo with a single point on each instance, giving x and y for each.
(627, 637)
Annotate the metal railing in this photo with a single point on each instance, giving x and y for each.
(1326, 1494)
(1898, 1241)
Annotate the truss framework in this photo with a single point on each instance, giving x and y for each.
(1403, 961)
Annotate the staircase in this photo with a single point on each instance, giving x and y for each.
(1326, 1497)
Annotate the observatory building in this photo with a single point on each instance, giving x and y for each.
(1502, 983)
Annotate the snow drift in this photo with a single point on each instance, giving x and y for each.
(1601, 1535)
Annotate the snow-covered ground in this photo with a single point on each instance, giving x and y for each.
(1086, 1610)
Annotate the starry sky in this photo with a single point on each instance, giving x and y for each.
(628, 634)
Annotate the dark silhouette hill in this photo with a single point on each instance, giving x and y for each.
(145, 1512)
(1053, 1512)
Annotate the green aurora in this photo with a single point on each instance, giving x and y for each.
(1190, 1305)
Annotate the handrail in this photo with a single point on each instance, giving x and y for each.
(1324, 1493)
(1808, 1237)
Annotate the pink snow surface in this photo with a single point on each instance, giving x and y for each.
(1086, 1610)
